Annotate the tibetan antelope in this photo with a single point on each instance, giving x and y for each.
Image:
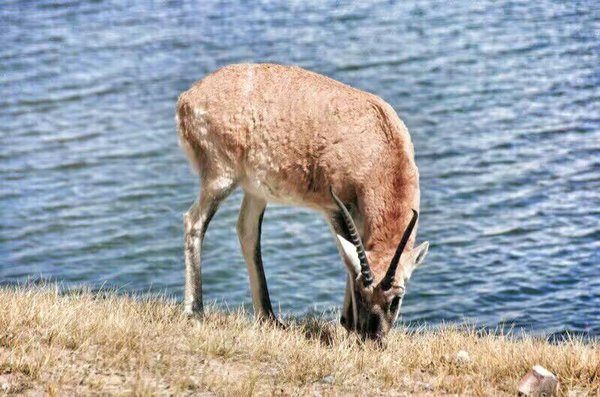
(287, 135)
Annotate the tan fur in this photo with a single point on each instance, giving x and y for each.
(286, 134)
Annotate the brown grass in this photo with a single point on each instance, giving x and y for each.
(88, 344)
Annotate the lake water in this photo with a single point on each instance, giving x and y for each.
(502, 101)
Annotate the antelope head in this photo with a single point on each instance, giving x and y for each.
(376, 298)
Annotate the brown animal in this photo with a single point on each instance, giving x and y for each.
(287, 135)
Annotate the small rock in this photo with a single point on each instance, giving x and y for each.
(538, 382)
(4, 382)
(463, 357)
(425, 385)
(329, 379)
(7, 384)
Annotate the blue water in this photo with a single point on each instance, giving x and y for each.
(502, 101)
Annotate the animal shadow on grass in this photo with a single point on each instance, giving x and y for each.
(316, 328)
(327, 333)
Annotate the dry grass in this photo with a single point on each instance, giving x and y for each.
(88, 344)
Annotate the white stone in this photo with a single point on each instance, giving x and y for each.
(463, 357)
(328, 380)
(538, 382)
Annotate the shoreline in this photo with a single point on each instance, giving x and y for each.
(106, 343)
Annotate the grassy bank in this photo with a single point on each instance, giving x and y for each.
(87, 344)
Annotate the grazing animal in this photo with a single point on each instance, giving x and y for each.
(291, 136)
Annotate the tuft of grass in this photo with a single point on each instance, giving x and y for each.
(90, 344)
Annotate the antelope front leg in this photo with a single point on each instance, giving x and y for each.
(249, 230)
(348, 316)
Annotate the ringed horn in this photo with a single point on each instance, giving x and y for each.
(365, 269)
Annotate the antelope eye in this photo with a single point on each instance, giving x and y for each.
(395, 303)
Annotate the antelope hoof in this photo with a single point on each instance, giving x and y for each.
(193, 313)
(345, 323)
(271, 319)
(279, 324)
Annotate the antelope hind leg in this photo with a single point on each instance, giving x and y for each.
(195, 223)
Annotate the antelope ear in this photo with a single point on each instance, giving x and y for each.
(416, 257)
(349, 256)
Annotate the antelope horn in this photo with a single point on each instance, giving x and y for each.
(365, 270)
(391, 271)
